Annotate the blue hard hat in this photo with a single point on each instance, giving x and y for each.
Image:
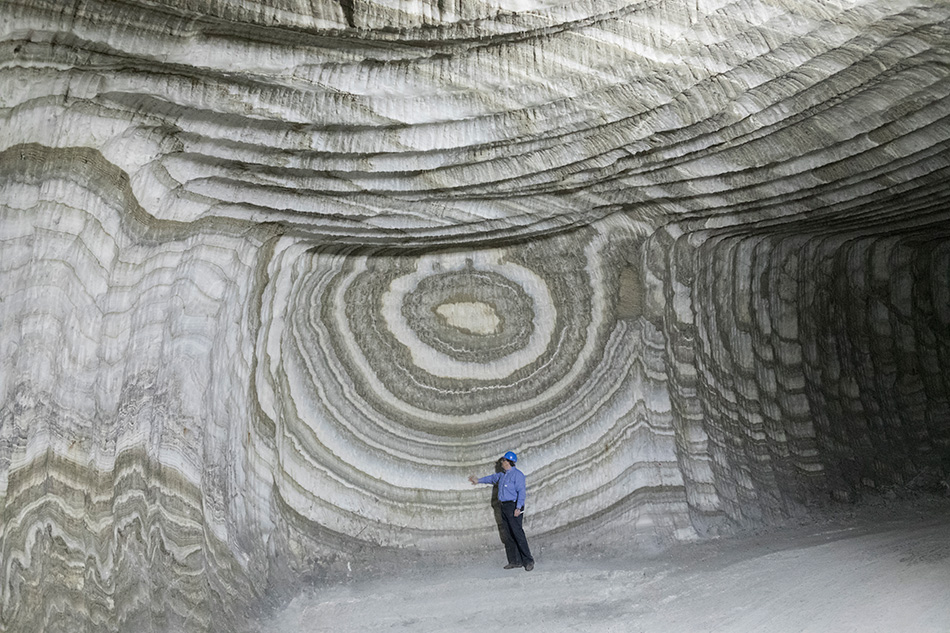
(511, 457)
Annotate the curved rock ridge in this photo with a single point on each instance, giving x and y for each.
(511, 126)
(278, 276)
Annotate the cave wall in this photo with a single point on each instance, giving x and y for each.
(812, 361)
(276, 278)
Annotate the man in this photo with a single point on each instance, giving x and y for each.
(511, 494)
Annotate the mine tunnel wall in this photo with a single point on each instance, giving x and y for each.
(713, 239)
(801, 368)
(816, 365)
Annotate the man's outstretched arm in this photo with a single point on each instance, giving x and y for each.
(488, 479)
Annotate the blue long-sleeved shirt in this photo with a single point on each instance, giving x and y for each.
(511, 486)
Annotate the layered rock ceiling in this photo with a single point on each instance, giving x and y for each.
(277, 276)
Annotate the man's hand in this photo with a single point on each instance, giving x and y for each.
(518, 512)
(473, 479)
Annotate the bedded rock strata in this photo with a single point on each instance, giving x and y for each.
(276, 278)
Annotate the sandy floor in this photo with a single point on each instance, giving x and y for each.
(871, 576)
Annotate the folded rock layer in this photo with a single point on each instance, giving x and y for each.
(278, 276)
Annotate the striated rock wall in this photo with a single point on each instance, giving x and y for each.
(811, 360)
(276, 277)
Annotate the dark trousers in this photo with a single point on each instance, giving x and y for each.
(516, 545)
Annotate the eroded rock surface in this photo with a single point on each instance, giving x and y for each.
(277, 276)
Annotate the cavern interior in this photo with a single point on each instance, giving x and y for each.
(278, 275)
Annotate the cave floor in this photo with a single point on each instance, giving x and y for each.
(876, 572)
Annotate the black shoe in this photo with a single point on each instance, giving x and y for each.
(512, 566)
(529, 567)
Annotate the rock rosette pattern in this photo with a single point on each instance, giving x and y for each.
(278, 276)
(389, 374)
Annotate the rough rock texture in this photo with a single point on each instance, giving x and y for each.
(277, 276)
